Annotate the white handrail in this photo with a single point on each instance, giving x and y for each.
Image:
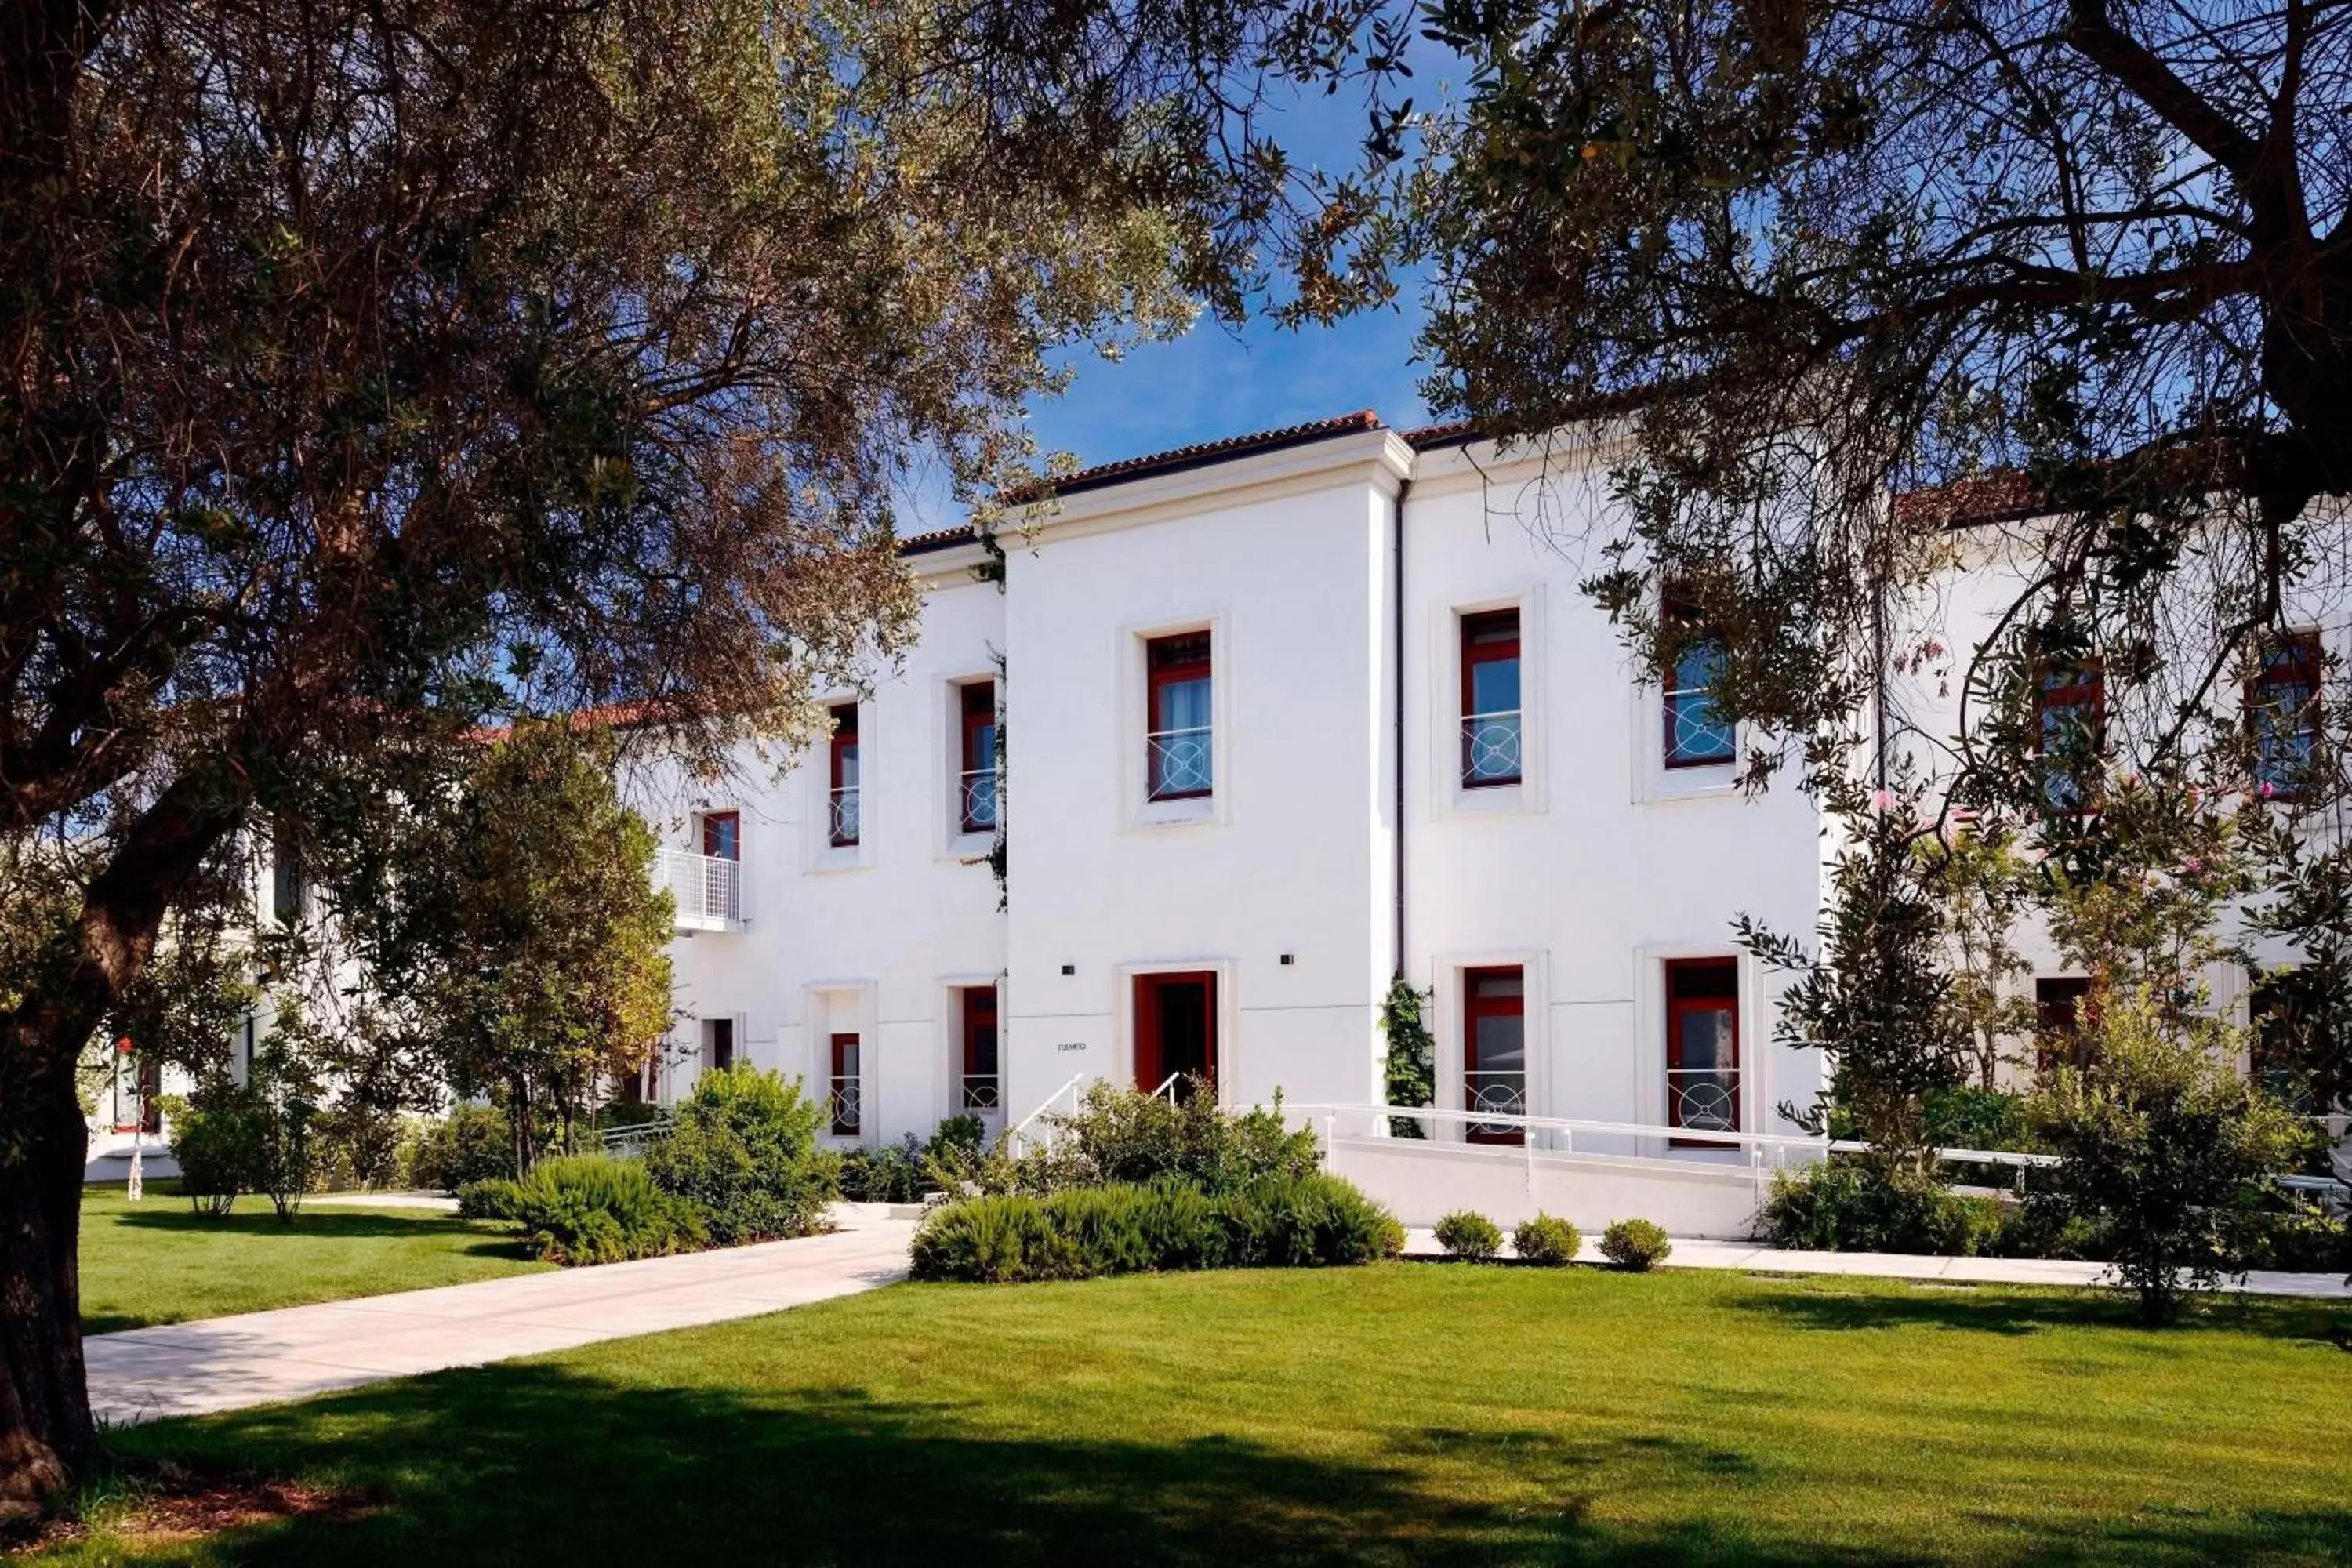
(1750, 1140)
(1756, 1143)
(1166, 1085)
(1012, 1136)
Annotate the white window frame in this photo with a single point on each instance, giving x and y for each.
(1141, 812)
(1756, 1043)
(1453, 798)
(820, 853)
(947, 733)
(1448, 1009)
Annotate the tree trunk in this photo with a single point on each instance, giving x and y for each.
(45, 1431)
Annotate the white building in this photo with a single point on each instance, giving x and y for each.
(1281, 717)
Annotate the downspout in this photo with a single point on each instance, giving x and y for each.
(1396, 591)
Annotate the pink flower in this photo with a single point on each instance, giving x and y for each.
(2267, 790)
(1882, 800)
(2192, 865)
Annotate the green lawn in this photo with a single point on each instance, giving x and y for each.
(157, 1261)
(1398, 1414)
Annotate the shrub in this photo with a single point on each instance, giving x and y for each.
(961, 1135)
(355, 1143)
(893, 1174)
(1545, 1240)
(216, 1141)
(1120, 1135)
(1841, 1206)
(1083, 1232)
(1471, 1237)
(1967, 1117)
(1304, 1220)
(492, 1197)
(472, 1143)
(2165, 1146)
(585, 1208)
(743, 1152)
(1635, 1243)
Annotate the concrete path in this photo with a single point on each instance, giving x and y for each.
(1908, 1266)
(261, 1358)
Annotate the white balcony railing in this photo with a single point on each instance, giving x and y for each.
(1490, 748)
(1705, 1098)
(1498, 1091)
(843, 825)
(982, 1093)
(843, 1105)
(978, 805)
(707, 890)
(1180, 763)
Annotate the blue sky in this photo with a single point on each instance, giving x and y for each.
(1219, 380)
(1215, 382)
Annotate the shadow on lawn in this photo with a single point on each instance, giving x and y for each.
(1992, 1310)
(331, 1224)
(532, 1463)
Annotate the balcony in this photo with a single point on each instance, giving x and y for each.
(978, 813)
(708, 890)
(843, 823)
(1178, 763)
(1490, 749)
(1704, 1099)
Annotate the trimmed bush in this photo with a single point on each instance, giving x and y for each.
(1078, 1233)
(585, 1208)
(472, 1143)
(743, 1152)
(1544, 1240)
(1472, 1238)
(1635, 1243)
(1839, 1205)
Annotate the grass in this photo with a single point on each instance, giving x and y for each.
(159, 1262)
(1395, 1415)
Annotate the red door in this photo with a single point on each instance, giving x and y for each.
(1176, 1030)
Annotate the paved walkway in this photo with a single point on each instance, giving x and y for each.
(260, 1358)
(1909, 1265)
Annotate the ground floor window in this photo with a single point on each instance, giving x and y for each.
(844, 1097)
(718, 1044)
(1495, 1051)
(1175, 1033)
(1703, 1044)
(980, 1090)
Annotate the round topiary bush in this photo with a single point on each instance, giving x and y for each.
(1470, 1236)
(1547, 1241)
(1635, 1243)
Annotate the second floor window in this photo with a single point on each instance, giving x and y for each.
(976, 781)
(1490, 698)
(1697, 735)
(1178, 761)
(722, 834)
(2282, 714)
(841, 798)
(2070, 712)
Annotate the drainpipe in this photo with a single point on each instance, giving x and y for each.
(1396, 589)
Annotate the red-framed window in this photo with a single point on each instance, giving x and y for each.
(2070, 724)
(1491, 719)
(1696, 733)
(1703, 1044)
(2283, 716)
(846, 1098)
(1178, 761)
(846, 815)
(1495, 1051)
(722, 834)
(981, 1088)
(2061, 1008)
(976, 780)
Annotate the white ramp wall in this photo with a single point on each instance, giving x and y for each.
(1422, 1181)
